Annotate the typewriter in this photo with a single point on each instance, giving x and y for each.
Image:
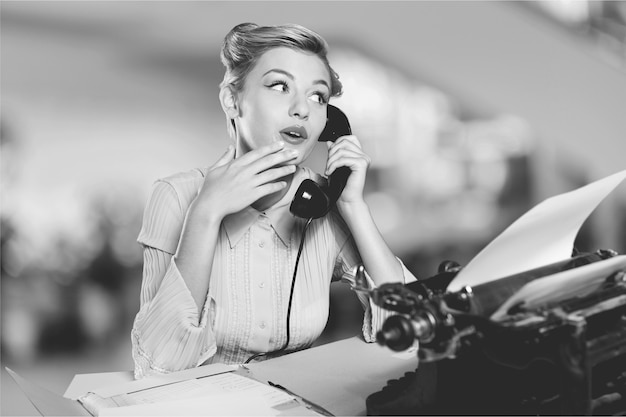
(564, 354)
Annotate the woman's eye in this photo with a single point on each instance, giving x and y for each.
(319, 98)
(279, 86)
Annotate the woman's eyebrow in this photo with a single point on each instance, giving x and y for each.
(323, 82)
(290, 76)
(280, 71)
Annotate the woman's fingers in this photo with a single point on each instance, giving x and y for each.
(344, 142)
(264, 158)
(273, 174)
(234, 183)
(256, 154)
(281, 158)
(266, 189)
(354, 163)
(346, 152)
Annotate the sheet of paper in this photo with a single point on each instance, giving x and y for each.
(542, 236)
(158, 380)
(222, 394)
(562, 285)
(338, 376)
(81, 384)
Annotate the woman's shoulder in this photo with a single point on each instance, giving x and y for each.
(182, 186)
(185, 181)
(184, 177)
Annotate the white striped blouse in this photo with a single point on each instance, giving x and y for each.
(246, 308)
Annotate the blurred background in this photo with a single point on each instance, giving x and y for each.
(473, 112)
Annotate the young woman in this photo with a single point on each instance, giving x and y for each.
(220, 244)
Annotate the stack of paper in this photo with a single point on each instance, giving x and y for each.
(212, 390)
(217, 395)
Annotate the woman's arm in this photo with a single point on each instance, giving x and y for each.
(380, 263)
(168, 333)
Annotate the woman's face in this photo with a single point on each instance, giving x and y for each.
(284, 98)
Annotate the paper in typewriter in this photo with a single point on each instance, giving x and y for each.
(561, 286)
(544, 235)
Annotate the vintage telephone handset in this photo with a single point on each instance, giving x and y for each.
(313, 201)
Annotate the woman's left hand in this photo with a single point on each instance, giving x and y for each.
(346, 151)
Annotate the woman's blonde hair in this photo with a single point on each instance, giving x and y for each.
(246, 42)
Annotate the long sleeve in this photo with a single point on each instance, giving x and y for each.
(167, 334)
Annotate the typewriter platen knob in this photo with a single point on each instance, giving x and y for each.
(397, 333)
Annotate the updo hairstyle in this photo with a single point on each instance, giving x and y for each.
(246, 42)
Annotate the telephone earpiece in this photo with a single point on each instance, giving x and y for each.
(311, 200)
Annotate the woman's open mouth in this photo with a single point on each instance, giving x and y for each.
(294, 134)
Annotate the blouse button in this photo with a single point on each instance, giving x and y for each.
(262, 325)
(261, 244)
(261, 284)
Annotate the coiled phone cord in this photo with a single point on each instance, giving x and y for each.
(293, 285)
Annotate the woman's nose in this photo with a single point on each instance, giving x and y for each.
(299, 108)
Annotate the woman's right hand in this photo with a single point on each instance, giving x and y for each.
(232, 184)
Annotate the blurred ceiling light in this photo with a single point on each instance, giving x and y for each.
(599, 21)
(568, 11)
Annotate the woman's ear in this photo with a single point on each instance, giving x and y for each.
(228, 99)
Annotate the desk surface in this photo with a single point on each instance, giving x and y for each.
(337, 376)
